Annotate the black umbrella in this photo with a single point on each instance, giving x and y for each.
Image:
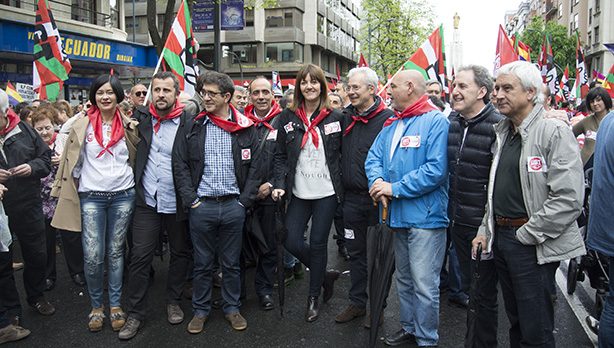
(380, 255)
(280, 236)
(474, 300)
(254, 242)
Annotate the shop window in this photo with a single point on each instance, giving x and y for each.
(284, 52)
(246, 53)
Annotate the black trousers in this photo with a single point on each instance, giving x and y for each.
(359, 213)
(146, 226)
(73, 251)
(265, 269)
(29, 227)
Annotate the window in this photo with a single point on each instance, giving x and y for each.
(589, 40)
(12, 3)
(284, 52)
(597, 6)
(325, 64)
(113, 21)
(84, 11)
(246, 53)
(249, 17)
(560, 10)
(141, 25)
(278, 18)
(576, 21)
(597, 35)
(321, 27)
(590, 15)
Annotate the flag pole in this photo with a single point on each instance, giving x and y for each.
(388, 82)
(154, 74)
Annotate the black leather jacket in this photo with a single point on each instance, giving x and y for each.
(289, 146)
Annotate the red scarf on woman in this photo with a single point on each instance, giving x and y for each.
(11, 121)
(52, 139)
(173, 114)
(229, 126)
(117, 129)
(421, 106)
(300, 112)
(381, 107)
(249, 112)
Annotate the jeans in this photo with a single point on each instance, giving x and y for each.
(313, 255)
(487, 318)
(526, 290)
(359, 214)
(146, 226)
(606, 323)
(105, 221)
(217, 226)
(419, 254)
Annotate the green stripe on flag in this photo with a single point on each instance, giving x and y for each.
(409, 65)
(53, 90)
(174, 61)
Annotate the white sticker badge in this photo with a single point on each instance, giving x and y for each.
(591, 135)
(288, 127)
(272, 135)
(537, 164)
(349, 234)
(333, 127)
(410, 141)
(246, 154)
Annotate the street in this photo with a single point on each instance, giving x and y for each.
(68, 326)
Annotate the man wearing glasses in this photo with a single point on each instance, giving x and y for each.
(215, 176)
(362, 122)
(137, 95)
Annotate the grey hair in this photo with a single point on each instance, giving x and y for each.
(370, 76)
(336, 95)
(529, 77)
(241, 89)
(4, 101)
(482, 77)
(434, 81)
(288, 93)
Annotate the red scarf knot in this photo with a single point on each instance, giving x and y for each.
(173, 114)
(229, 126)
(275, 110)
(117, 129)
(300, 112)
(381, 107)
(421, 106)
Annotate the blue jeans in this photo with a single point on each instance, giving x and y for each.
(526, 290)
(217, 226)
(419, 255)
(104, 224)
(313, 255)
(606, 323)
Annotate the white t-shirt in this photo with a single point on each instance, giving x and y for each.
(312, 179)
(107, 173)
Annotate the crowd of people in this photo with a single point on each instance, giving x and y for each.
(497, 168)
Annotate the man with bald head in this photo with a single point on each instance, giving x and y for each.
(407, 170)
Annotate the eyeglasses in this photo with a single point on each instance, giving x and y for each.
(47, 129)
(352, 88)
(211, 94)
(140, 94)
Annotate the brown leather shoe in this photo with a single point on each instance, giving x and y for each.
(313, 309)
(43, 308)
(196, 324)
(12, 333)
(351, 312)
(174, 314)
(329, 284)
(237, 321)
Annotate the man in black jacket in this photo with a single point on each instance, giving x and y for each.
(214, 165)
(362, 122)
(156, 204)
(470, 146)
(24, 160)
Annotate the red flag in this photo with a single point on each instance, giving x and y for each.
(338, 76)
(505, 51)
(362, 62)
(608, 82)
(334, 84)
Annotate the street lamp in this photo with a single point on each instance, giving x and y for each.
(372, 29)
(225, 52)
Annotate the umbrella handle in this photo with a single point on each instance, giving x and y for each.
(385, 209)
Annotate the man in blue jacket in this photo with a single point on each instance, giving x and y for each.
(407, 165)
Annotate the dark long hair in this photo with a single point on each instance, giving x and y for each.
(316, 73)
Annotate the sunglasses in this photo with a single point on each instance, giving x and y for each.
(140, 94)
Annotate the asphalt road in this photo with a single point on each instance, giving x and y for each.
(68, 326)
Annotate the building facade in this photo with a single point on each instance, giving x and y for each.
(94, 38)
(281, 38)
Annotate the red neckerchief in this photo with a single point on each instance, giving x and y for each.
(52, 139)
(381, 107)
(11, 121)
(117, 129)
(229, 126)
(173, 114)
(275, 110)
(300, 112)
(421, 106)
